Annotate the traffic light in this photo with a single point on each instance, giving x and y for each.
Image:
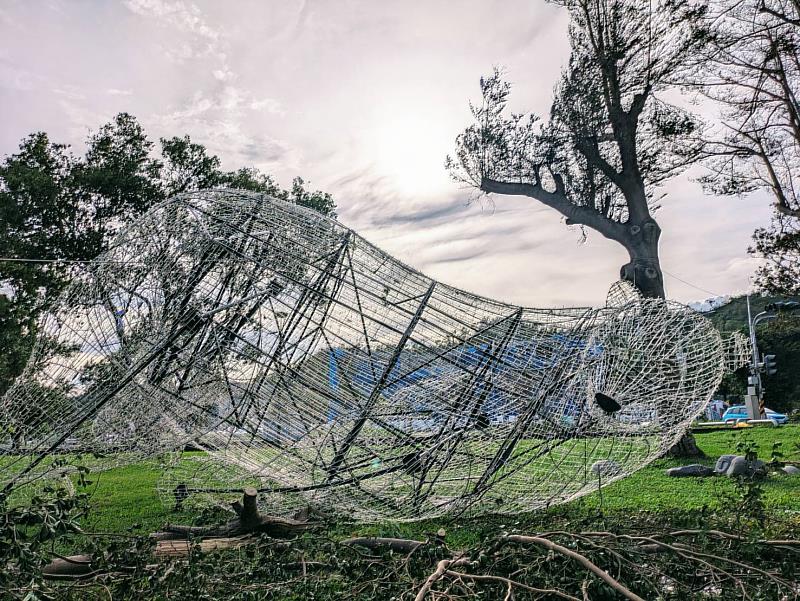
(770, 366)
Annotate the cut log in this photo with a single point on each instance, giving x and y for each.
(176, 541)
(74, 566)
(181, 548)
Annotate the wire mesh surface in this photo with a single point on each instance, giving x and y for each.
(307, 362)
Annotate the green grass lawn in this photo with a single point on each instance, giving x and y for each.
(650, 488)
(126, 496)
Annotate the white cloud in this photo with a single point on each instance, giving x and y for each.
(224, 74)
(70, 92)
(267, 104)
(218, 122)
(14, 77)
(190, 36)
(362, 99)
(182, 16)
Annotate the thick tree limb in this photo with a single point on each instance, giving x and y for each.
(441, 567)
(591, 151)
(575, 214)
(181, 548)
(785, 209)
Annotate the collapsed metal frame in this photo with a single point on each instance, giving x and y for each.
(306, 361)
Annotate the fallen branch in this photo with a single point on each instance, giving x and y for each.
(374, 543)
(585, 562)
(510, 583)
(441, 567)
(684, 550)
(727, 535)
(687, 554)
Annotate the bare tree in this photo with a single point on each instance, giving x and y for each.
(611, 138)
(751, 68)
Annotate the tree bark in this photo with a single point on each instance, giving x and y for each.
(74, 566)
(644, 268)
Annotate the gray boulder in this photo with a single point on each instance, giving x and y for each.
(791, 470)
(606, 467)
(723, 463)
(696, 470)
(740, 466)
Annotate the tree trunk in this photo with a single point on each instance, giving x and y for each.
(249, 521)
(644, 272)
(644, 268)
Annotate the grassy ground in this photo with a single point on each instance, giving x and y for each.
(651, 489)
(126, 497)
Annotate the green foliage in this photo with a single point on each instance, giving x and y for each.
(250, 178)
(779, 244)
(732, 316)
(317, 565)
(322, 202)
(55, 206)
(29, 534)
(116, 181)
(780, 337)
(187, 166)
(36, 221)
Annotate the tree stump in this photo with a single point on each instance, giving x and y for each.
(249, 521)
(686, 447)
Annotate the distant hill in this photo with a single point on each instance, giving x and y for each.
(780, 337)
(732, 316)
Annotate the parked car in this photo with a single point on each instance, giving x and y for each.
(739, 412)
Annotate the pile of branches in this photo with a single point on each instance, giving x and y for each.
(263, 557)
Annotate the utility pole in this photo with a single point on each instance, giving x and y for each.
(754, 400)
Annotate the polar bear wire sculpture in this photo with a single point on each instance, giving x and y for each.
(307, 362)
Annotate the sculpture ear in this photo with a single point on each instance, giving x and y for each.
(606, 403)
(622, 293)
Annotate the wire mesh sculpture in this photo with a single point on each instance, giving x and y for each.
(307, 362)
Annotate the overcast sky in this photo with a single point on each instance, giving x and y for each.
(363, 99)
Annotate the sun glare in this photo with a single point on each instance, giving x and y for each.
(408, 147)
